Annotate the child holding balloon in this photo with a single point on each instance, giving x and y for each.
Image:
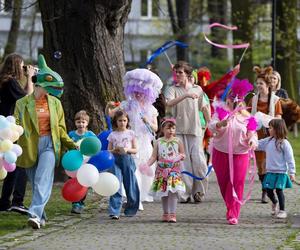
(81, 122)
(122, 143)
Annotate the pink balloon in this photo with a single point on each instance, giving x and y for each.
(72, 174)
(9, 167)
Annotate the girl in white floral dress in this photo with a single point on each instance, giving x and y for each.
(168, 151)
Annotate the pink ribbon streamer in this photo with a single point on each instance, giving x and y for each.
(225, 46)
(252, 168)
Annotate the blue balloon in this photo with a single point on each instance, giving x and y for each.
(103, 160)
(103, 138)
(72, 160)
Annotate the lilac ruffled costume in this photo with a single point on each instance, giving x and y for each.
(149, 84)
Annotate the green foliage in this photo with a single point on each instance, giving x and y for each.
(296, 148)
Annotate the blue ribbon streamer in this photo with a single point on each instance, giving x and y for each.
(163, 48)
(196, 177)
(223, 98)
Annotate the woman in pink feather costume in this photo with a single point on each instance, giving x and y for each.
(234, 132)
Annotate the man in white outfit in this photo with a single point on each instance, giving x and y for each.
(186, 100)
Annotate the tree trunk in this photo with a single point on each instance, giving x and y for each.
(180, 25)
(172, 17)
(14, 28)
(286, 46)
(217, 13)
(242, 18)
(182, 10)
(32, 30)
(89, 37)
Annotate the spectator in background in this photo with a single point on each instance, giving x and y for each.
(11, 73)
(275, 83)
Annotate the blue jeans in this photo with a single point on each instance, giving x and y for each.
(124, 170)
(41, 176)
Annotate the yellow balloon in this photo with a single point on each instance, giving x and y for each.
(15, 136)
(6, 145)
(14, 127)
(3, 173)
(20, 130)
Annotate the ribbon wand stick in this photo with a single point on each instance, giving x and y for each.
(168, 58)
(243, 55)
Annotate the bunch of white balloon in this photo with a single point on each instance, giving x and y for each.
(9, 152)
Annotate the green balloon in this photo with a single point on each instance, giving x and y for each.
(90, 146)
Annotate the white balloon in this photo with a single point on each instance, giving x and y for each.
(17, 149)
(107, 184)
(6, 133)
(14, 136)
(11, 119)
(20, 130)
(87, 175)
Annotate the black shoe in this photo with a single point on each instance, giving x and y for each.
(186, 201)
(19, 209)
(4, 209)
(264, 197)
(115, 217)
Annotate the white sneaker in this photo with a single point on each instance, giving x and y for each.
(274, 208)
(34, 223)
(43, 222)
(281, 214)
(141, 207)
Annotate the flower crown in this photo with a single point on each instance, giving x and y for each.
(171, 120)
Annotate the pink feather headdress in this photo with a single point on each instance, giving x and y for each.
(239, 89)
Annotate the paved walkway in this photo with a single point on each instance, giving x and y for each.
(200, 226)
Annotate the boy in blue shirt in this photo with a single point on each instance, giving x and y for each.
(81, 122)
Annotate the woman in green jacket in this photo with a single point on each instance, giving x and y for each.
(42, 117)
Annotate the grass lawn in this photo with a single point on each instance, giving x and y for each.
(296, 147)
(12, 221)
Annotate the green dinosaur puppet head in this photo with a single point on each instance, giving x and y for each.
(48, 79)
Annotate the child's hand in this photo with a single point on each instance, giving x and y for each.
(222, 123)
(115, 151)
(252, 144)
(145, 169)
(292, 177)
(145, 120)
(182, 156)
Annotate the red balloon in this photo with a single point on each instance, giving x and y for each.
(72, 191)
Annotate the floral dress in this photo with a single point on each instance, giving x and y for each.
(168, 171)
